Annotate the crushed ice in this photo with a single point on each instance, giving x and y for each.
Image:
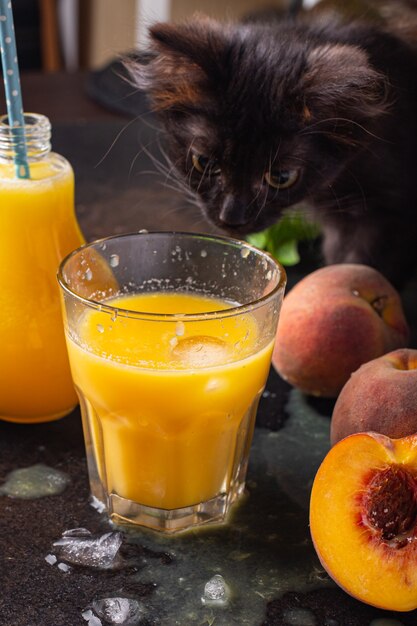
(76, 532)
(87, 614)
(216, 592)
(124, 611)
(99, 506)
(89, 550)
(51, 559)
(64, 567)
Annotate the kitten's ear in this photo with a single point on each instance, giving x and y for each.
(181, 62)
(340, 83)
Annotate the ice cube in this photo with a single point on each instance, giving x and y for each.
(51, 559)
(99, 506)
(216, 592)
(94, 621)
(76, 532)
(64, 567)
(87, 614)
(118, 610)
(201, 351)
(91, 551)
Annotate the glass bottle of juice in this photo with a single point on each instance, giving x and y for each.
(38, 227)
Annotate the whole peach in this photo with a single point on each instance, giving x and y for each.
(380, 396)
(334, 320)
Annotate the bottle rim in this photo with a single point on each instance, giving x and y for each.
(37, 131)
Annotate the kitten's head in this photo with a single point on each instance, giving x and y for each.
(258, 118)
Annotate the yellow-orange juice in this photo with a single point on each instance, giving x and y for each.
(37, 229)
(169, 404)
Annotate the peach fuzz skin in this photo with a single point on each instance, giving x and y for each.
(377, 570)
(380, 396)
(334, 320)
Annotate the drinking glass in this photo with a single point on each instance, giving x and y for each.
(170, 337)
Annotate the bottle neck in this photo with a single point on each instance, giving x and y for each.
(37, 131)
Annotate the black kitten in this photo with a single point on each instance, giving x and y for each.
(262, 117)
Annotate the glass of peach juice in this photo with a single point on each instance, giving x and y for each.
(170, 337)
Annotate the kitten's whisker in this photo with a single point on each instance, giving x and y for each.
(179, 181)
(143, 150)
(342, 119)
(275, 155)
(116, 139)
(167, 171)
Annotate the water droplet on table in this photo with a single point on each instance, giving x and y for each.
(36, 481)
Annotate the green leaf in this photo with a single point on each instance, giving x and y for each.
(259, 240)
(281, 239)
(287, 253)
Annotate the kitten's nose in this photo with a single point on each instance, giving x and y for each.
(233, 211)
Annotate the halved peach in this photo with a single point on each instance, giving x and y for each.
(363, 518)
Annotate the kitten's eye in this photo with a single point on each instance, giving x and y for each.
(205, 165)
(282, 179)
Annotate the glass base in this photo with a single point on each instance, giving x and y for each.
(122, 511)
(126, 512)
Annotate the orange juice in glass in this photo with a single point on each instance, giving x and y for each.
(38, 228)
(170, 339)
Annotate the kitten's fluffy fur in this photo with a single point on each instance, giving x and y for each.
(326, 111)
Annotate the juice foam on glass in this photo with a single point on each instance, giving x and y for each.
(38, 228)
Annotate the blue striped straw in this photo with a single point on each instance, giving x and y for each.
(12, 86)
